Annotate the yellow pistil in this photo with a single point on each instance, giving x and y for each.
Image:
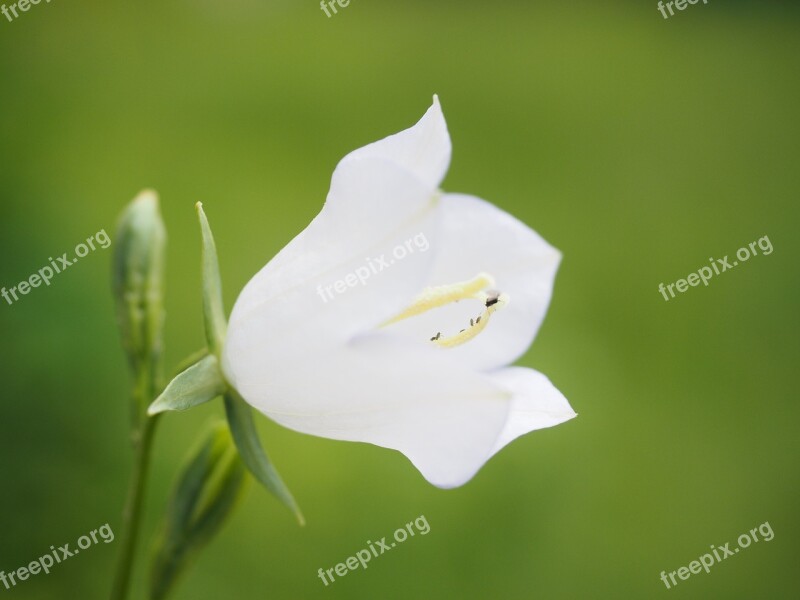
(435, 297)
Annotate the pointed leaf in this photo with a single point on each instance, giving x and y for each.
(198, 384)
(213, 310)
(243, 429)
(205, 495)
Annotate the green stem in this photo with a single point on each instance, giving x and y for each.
(131, 517)
(142, 433)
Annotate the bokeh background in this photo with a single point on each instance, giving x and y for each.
(638, 146)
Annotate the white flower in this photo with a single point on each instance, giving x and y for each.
(387, 362)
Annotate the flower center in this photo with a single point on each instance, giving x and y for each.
(478, 288)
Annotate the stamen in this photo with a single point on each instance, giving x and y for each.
(435, 297)
(493, 303)
(442, 295)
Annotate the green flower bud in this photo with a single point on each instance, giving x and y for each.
(206, 493)
(138, 280)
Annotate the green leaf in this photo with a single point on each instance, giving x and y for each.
(200, 383)
(205, 495)
(243, 429)
(213, 311)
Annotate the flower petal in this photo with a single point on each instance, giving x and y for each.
(536, 404)
(479, 237)
(373, 207)
(388, 391)
(424, 149)
(375, 203)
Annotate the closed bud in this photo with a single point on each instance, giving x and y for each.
(206, 492)
(138, 280)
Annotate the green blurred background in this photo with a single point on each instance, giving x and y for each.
(636, 145)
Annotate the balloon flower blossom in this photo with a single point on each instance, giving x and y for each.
(412, 351)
